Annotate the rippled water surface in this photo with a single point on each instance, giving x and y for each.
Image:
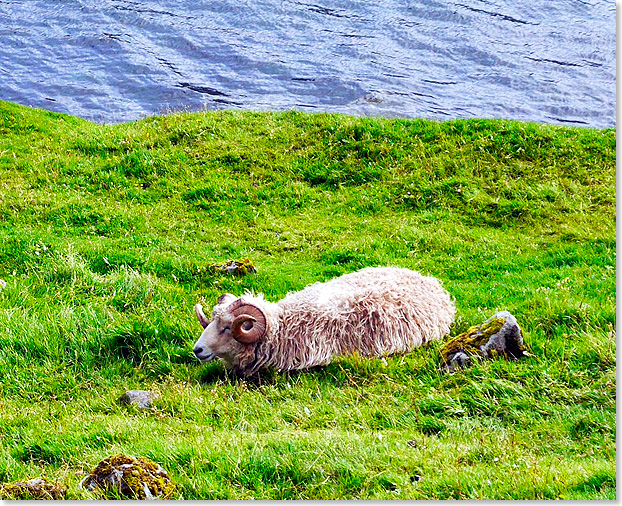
(119, 60)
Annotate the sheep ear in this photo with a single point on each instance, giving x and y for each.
(203, 320)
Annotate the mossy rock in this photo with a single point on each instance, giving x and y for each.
(498, 337)
(37, 488)
(131, 477)
(237, 267)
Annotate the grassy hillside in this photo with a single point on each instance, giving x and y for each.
(107, 234)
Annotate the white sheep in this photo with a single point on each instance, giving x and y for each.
(373, 312)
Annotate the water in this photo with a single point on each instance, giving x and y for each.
(118, 60)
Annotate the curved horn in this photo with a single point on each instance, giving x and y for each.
(250, 323)
(203, 320)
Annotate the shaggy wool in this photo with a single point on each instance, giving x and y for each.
(374, 312)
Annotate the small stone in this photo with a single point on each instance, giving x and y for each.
(499, 336)
(372, 99)
(142, 398)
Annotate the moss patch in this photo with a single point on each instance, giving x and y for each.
(135, 478)
(237, 267)
(37, 488)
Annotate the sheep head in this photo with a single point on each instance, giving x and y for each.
(236, 324)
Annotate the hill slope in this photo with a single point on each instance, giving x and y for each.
(107, 234)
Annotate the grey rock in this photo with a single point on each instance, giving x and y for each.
(142, 398)
(508, 340)
(499, 336)
(459, 359)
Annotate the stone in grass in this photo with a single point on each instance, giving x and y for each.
(130, 477)
(37, 488)
(239, 267)
(499, 336)
(142, 398)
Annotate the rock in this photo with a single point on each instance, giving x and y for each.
(372, 99)
(499, 336)
(37, 488)
(142, 398)
(131, 477)
(239, 267)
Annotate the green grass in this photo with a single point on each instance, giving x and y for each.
(106, 238)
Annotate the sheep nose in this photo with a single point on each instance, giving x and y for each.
(198, 350)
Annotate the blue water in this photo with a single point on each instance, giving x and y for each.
(117, 60)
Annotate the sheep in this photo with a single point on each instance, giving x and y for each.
(375, 311)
